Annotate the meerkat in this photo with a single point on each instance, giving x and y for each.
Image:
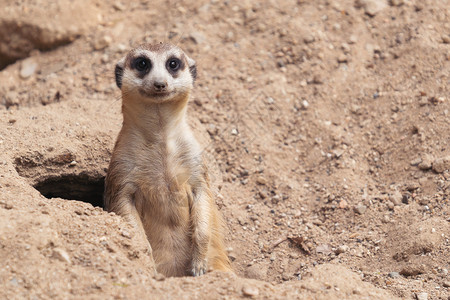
(156, 178)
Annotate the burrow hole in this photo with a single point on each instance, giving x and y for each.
(73, 187)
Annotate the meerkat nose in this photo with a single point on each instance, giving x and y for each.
(160, 85)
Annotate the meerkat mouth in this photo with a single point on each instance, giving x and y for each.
(155, 94)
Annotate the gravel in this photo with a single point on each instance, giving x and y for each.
(250, 291)
(360, 209)
(28, 68)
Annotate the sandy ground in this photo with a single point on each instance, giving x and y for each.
(325, 125)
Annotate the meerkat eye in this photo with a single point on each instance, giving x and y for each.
(141, 64)
(174, 64)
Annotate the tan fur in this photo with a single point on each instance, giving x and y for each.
(157, 181)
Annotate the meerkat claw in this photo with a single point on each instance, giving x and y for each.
(199, 268)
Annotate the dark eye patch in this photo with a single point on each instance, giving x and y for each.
(141, 64)
(174, 64)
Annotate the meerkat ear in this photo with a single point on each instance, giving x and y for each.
(192, 67)
(118, 71)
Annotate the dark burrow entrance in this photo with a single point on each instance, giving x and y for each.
(73, 187)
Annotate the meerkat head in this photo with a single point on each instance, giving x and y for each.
(155, 73)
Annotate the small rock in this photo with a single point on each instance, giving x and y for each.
(412, 270)
(197, 37)
(446, 284)
(250, 291)
(421, 296)
(342, 58)
(61, 255)
(120, 48)
(261, 180)
(427, 162)
(119, 6)
(8, 205)
(416, 161)
(343, 204)
(102, 42)
(73, 163)
(324, 248)
(390, 205)
(396, 2)
(308, 38)
(371, 7)
(396, 198)
(159, 277)
(446, 39)
(441, 164)
(14, 281)
(341, 249)
(360, 209)
(394, 274)
(126, 234)
(28, 68)
(11, 98)
(256, 271)
(234, 131)
(352, 39)
(412, 186)
(305, 104)
(338, 152)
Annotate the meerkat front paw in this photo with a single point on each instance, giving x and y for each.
(199, 267)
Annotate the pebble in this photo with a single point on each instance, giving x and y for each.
(422, 296)
(360, 209)
(308, 38)
(120, 48)
(324, 248)
(61, 255)
(412, 270)
(446, 284)
(305, 104)
(261, 180)
(28, 68)
(352, 39)
(394, 274)
(256, 271)
(396, 198)
(416, 161)
(11, 98)
(119, 6)
(396, 2)
(342, 58)
(250, 291)
(426, 163)
(341, 249)
(126, 234)
(197, 37)
(372, 7)
(441, 164)
(102, 42)
(446, 39)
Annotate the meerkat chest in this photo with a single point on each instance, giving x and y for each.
(169, 167)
